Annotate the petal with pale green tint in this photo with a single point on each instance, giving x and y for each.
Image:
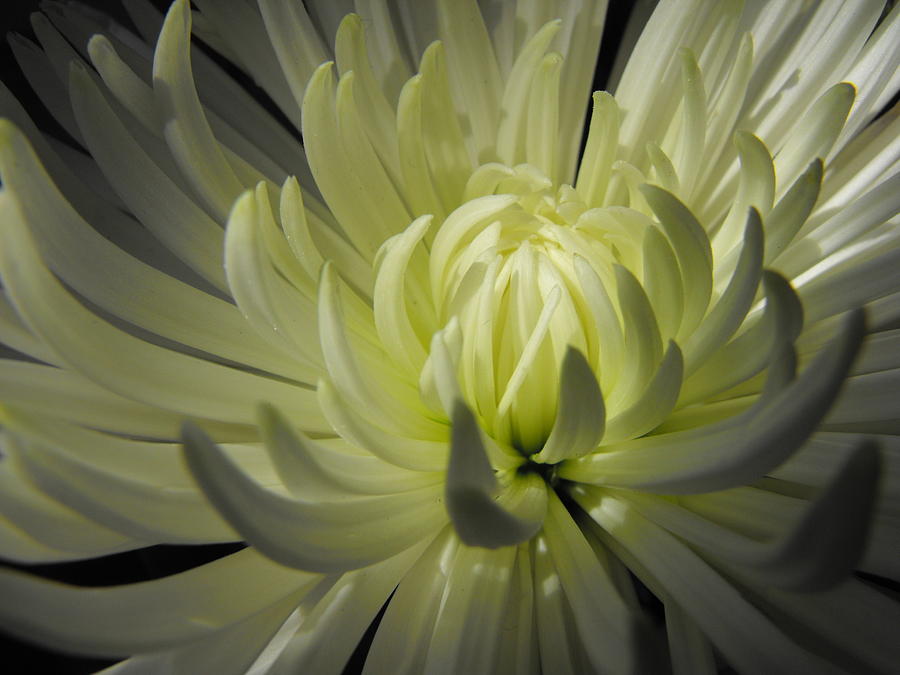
(297, 229)
(600, 152)
(518, 652)
(333, 625)
(241, 28)
(175, 610)
(391, 311)
(862, 217)
(387, 210)
(729, 310)
(403, 451)
(124, 363)
(187, 132)
(533, 348)
(655, 402)
(458, 229)
(77, 399)
(230, 651)
(856, 274)
(514, 108)
(756, 189)
(603, 313)
(328, 161)
(643, 347)
(331, 467)
(689, 649)
(580, 414)
(694, 124)
(560, 649)
(16, 335)
(663, 169)
(445, 146)
(126, 85)
(814, 553)
(479, 519)
(420, 188)
(792, 210)
(378, 120)
(298, 57)
(603, 620)
(267, 283)
(39, 528)
(749, 639)
(467, 629)
(692, 250)
(328, 536)
(349, 375)
(122, 503)
(403, 639)
(85, 260)
(469, 50)
(817, 133)
(749, 352)
(543, 117)
(502, 398)
(739, 451)
(662, 281)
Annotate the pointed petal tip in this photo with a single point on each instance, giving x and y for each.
(193, 438)
(830, 539)
(477, 517)
(268, 414)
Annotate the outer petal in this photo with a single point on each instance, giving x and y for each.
(325, 536)
(150, 615)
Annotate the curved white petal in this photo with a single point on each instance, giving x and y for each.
(327, 536)
(580, 414)
(742, 632)
(187, 131)
(120, 361)
(147, 616)
(479, 519)
(731, 455)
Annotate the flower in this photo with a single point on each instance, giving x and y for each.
(446, 366)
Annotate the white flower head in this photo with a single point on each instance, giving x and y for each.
(424, 351)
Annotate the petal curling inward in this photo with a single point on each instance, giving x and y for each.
(817, 552)
(187, 132)
(391, 314)
(480, 519)
(580, 414)
(331, 467)
(186, 230)
(124, 363)
(327, 536)
(731, 455)
(272, 297)
(85, 260)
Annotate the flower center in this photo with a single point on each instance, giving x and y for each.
(522, 271)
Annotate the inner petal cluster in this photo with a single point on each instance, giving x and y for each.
(522, 273)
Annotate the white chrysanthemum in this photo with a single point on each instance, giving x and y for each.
(446, 365)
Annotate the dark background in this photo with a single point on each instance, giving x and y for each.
(21, 658)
